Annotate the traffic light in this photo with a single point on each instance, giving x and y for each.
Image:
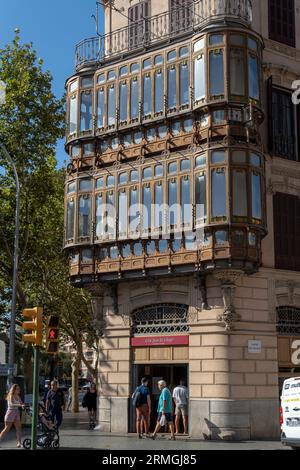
(34, 326)
(52, 335)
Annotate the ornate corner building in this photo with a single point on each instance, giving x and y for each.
(182, 205)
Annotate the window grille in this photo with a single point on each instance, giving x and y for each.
(160, 319)
(288, 321)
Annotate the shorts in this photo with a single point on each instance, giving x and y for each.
(142, 411)
(168, 416)
(181, 409)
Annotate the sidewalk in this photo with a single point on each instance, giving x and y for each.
(75, 434)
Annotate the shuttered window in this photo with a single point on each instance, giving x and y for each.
(282, 21)
(287, 231)
(139, 25)
(284, 124)
(181, 15)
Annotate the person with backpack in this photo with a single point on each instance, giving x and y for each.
(142, 403)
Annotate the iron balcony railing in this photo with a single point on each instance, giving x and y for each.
(160, 27)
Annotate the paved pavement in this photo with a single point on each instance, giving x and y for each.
(74, 434)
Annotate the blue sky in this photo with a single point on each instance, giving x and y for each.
(54, 27)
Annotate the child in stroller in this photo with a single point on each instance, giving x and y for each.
(48, 435)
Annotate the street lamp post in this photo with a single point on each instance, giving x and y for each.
(11, 357)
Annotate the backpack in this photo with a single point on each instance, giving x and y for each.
(136, 398)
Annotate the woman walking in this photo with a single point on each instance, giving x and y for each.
(90, 402)
(12, 416)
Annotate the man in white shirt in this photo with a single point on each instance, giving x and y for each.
(181, 400)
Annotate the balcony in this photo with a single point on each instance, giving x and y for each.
(159, 28)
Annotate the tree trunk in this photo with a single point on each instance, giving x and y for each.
(75, 376)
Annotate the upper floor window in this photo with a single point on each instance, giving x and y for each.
(139, 25)
(181, 15)
(283, 124)
(282, 21)
(287, 231)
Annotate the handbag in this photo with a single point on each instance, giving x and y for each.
(163, 421)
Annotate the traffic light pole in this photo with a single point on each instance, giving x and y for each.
(35, 403)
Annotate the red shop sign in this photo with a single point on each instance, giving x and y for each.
(160, 341)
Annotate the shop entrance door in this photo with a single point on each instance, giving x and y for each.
(155, 372)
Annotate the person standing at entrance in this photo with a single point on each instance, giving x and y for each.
(181, 399)
(165, 410)
(55, 403)
(142, 403)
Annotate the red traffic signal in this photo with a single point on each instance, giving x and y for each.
(52, 336)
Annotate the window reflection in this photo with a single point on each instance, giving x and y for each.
(163, 246)
(201, 209)
(86, 111)
(184, 84)
(133, 210)
(146, 207)
(73, 114)
(159, 92)
(147, 96)
(150, 248)
(111, 106)
(237, 85)
(126, 252)
(99, 216)
(253, 77)
(84, 219)
(123, 102)
(85, 184)
(122, 214)
(239, 193)
(199, 78)
(218, 193)
(70, 219)
(186, 214)
(256, 196)
(134, 99)
(216, 73)
(172, 200)
(221, 237)
(158, 208)
(172, 89)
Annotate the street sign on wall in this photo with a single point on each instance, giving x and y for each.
(140, 341)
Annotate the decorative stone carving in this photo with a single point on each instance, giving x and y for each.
(228, 279)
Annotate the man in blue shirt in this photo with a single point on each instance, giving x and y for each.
(142, 402)
(165, 408)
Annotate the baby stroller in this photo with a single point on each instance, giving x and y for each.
(47, 435)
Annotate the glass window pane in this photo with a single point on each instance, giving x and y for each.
(253, 77)
(201, 209)
(126, 252)
(84, 219)
(150, 248)
(239, 156)
(114, 252)
(256, 196)
(123, 214)
(238, 237)
(255, 160)
(86, 255)
(184, 51)
(158, 60)
(252, 44)
(134, 99)
(150, 134)
(237, 72)
(110, 181)
(137, 137)
(73, 114)
(218, 116)
(115, 143)
(221, 237)
(147, 173)
(85, 184)
(188, 125)
(99, 216)
(103, 254)
(176, 245)
(111, 75)
(172, 200)
(218, 156)
(134, 210)
(138, 249)
(73, 86)
(172, 168)
(159, 92)
(134, 176)
(218, 193)
(110, 227)
(237, 40)
(111, 106)
(70, 219)
(100, 183)
(86, 113)
(172, 56)
(216, 39)
(162, 131)
(184, 165)
(101, 78)
(200, 161)
(199, 45)
(158, 208)
(75, 150)
(176, 127)
(199, 78)
(186, 208)
(104, 145)
(158, 170)
(134, 68)
(123, 178)
(184, 84)
(147, 98)
(147, 64)
(127, 140)
(239, 193)
(123, 102)
(204, 120)
(163, 246)
(216, 73)
(71, 188)
(123, 71)
(252, 239)
(87, 82)
(146, 207)
(88, 149)
(172, 95)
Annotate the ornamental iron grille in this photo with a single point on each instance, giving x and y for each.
(160, 319)
(288, 321)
